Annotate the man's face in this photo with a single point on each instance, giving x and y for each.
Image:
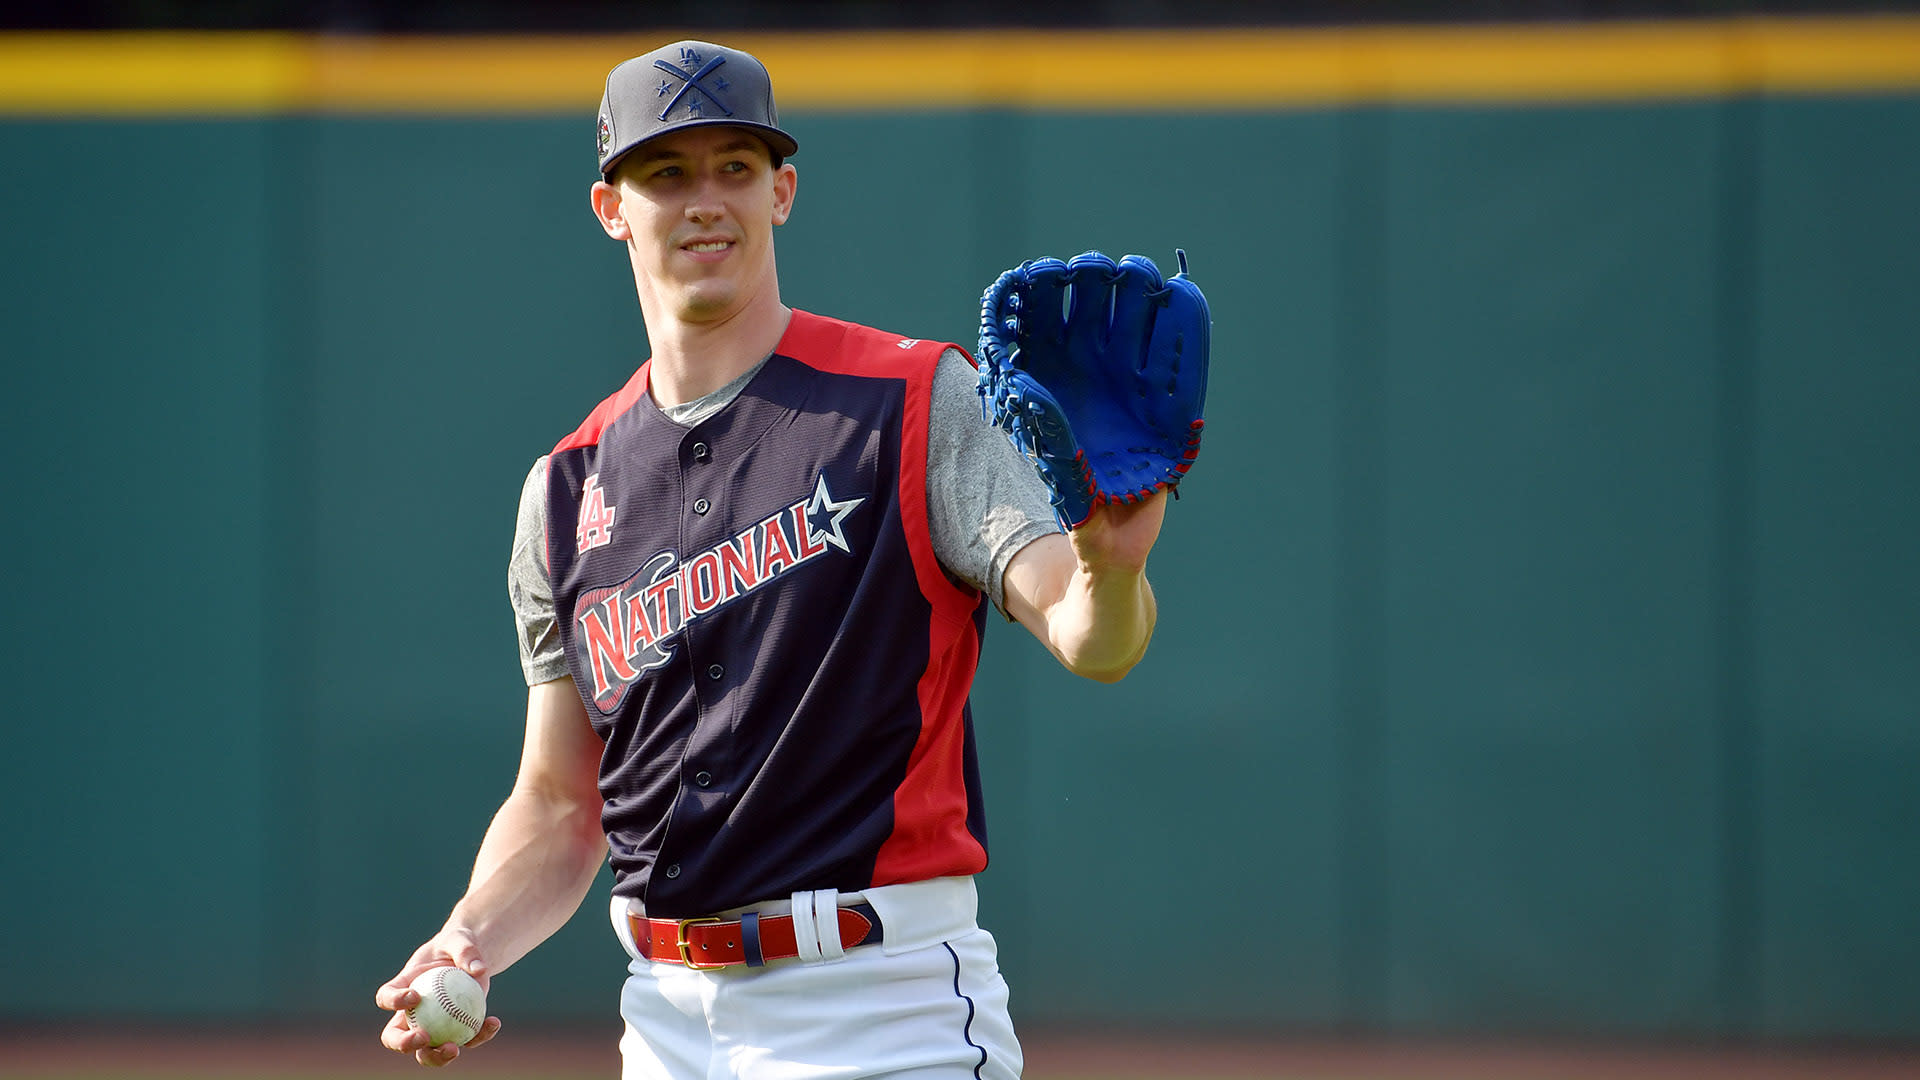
(700, 205)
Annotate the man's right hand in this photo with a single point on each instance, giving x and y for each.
(449, 947)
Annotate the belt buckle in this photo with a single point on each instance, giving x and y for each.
(686, 949)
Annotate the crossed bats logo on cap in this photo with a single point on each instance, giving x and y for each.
(693, 82)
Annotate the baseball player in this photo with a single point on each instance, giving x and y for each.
(751, 589)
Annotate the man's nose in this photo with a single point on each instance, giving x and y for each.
(705, 203)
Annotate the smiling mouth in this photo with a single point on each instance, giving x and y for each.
(706, 247)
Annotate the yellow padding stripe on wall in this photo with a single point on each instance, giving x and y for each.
(158, 73)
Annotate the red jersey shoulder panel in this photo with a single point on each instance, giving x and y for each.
(588, 433)
(846, 348)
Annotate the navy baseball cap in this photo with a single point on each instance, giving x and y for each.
(686, 84)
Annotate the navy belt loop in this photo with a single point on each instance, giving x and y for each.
(878, 933)
(750, 939)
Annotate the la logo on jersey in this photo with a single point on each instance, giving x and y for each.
(627, 629)
(596, 517)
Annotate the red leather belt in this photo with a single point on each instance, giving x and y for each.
(752, 939)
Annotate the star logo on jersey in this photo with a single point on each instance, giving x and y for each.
(824, 516)
(595, 528)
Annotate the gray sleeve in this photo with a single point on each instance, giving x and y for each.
(984, 500)
(528, 589)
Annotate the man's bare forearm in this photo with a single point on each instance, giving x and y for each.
(1102, 623)
(535, 866)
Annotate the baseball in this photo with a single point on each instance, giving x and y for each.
(452, 1005)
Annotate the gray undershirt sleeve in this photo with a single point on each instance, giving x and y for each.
(984, 500)
(984, 503)
(541, 658)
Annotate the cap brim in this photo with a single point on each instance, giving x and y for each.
(781, 142)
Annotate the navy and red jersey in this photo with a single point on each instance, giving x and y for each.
(753, 613)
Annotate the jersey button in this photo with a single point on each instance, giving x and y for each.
(703, 778)
(673, 871)
(701, 506)
(699, 451)
(714, 671)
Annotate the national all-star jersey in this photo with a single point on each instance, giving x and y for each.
(754, 614)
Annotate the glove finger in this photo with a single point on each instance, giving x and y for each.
(1040, 304)
(1137, 280)
(1174, 382)
(1089, 302)
(1039, 426)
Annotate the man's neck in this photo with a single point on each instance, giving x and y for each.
(692, 360)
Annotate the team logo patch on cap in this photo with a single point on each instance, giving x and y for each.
(605, 137)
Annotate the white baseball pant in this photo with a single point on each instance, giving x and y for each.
(927, 1003)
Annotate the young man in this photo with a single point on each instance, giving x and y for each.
(751, 590)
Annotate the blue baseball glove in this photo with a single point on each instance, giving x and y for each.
(1098, 372)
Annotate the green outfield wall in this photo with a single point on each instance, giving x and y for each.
(1539, 643)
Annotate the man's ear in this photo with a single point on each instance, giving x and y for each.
(606, 206)
(785, 184)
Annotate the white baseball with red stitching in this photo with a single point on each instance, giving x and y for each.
(452, 1005)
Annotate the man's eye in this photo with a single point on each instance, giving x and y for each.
(735, 166)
